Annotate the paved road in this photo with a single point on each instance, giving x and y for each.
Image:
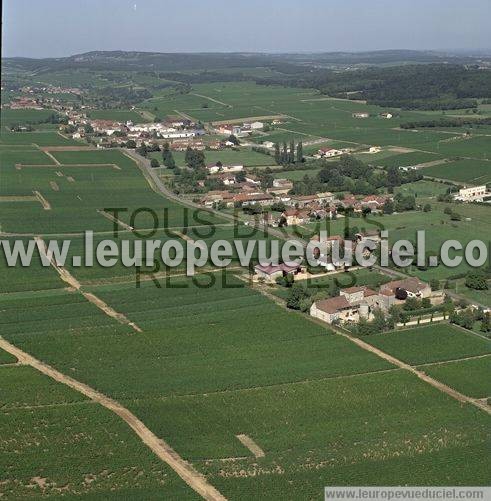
(150, 174)
(160, 187)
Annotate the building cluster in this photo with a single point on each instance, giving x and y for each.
(330, 152)
(473, 194)
(356, 303)
(244, 129)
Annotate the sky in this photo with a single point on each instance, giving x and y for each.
(57, 28)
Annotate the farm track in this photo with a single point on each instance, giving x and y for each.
(107, 232)
(212, 99)
(184, 469)
(443, 362)
(391, 359)
(68, 278)
(420, 374)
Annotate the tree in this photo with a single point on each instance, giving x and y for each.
(167, 157)
(434, 284)
(233, 139)
(393, 177)
(154, 163)
(427, 208)
(291, 153)
(284, 154)
(486, 323)
(389, 207)
(476, 281)
(195, 159)
(300, 152)
(297, 293)
(277, 153)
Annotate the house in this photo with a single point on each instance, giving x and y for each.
(375, 202)
(386, 115)
(257, 125)
(374, 149)
(229, 129)
(271, 272)
(295, 216)
(268, 144)
(212, 198)
(252, 179)
(362, 114)
(473, 194)
(280, 187)
(328, 152)
(413, 287)
(219, 167)
(301, 201)
(335, 309)
(246, 199)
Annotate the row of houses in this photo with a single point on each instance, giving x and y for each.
(355, 303)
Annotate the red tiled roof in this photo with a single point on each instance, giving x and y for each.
(333, 304)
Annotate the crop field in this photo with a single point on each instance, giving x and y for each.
(474, 172)
(6, 358)
(49, 138)
(297, 426)
(466, 376)
(56, 442)
(204, 360)
(434, 343)
(246, 157)
(404, 159)
(82, 191)
(233, 388)
(118, 115)
(307, 115)
(15, 117)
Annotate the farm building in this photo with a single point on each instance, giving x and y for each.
(271, 272)
(414, 287)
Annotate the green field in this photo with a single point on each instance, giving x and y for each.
(118, 115)
(20, 117)
(474, 172)
(433, 343)
(56, 441)
(466, 376)
(246, 157)
(203, 359)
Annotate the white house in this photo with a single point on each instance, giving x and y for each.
(473, 194)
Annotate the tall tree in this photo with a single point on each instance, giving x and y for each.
(277, 153)
(284, 154)
(167, 157)
(300, 152)
(291, 154)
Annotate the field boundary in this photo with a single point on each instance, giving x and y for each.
(164, 451)
(68, 278)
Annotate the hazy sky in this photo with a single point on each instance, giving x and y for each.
(43, 28)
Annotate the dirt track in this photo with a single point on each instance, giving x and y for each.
(422, 375)
(67, 277)
(184, 469)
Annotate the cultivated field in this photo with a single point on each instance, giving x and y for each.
(262, 403)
